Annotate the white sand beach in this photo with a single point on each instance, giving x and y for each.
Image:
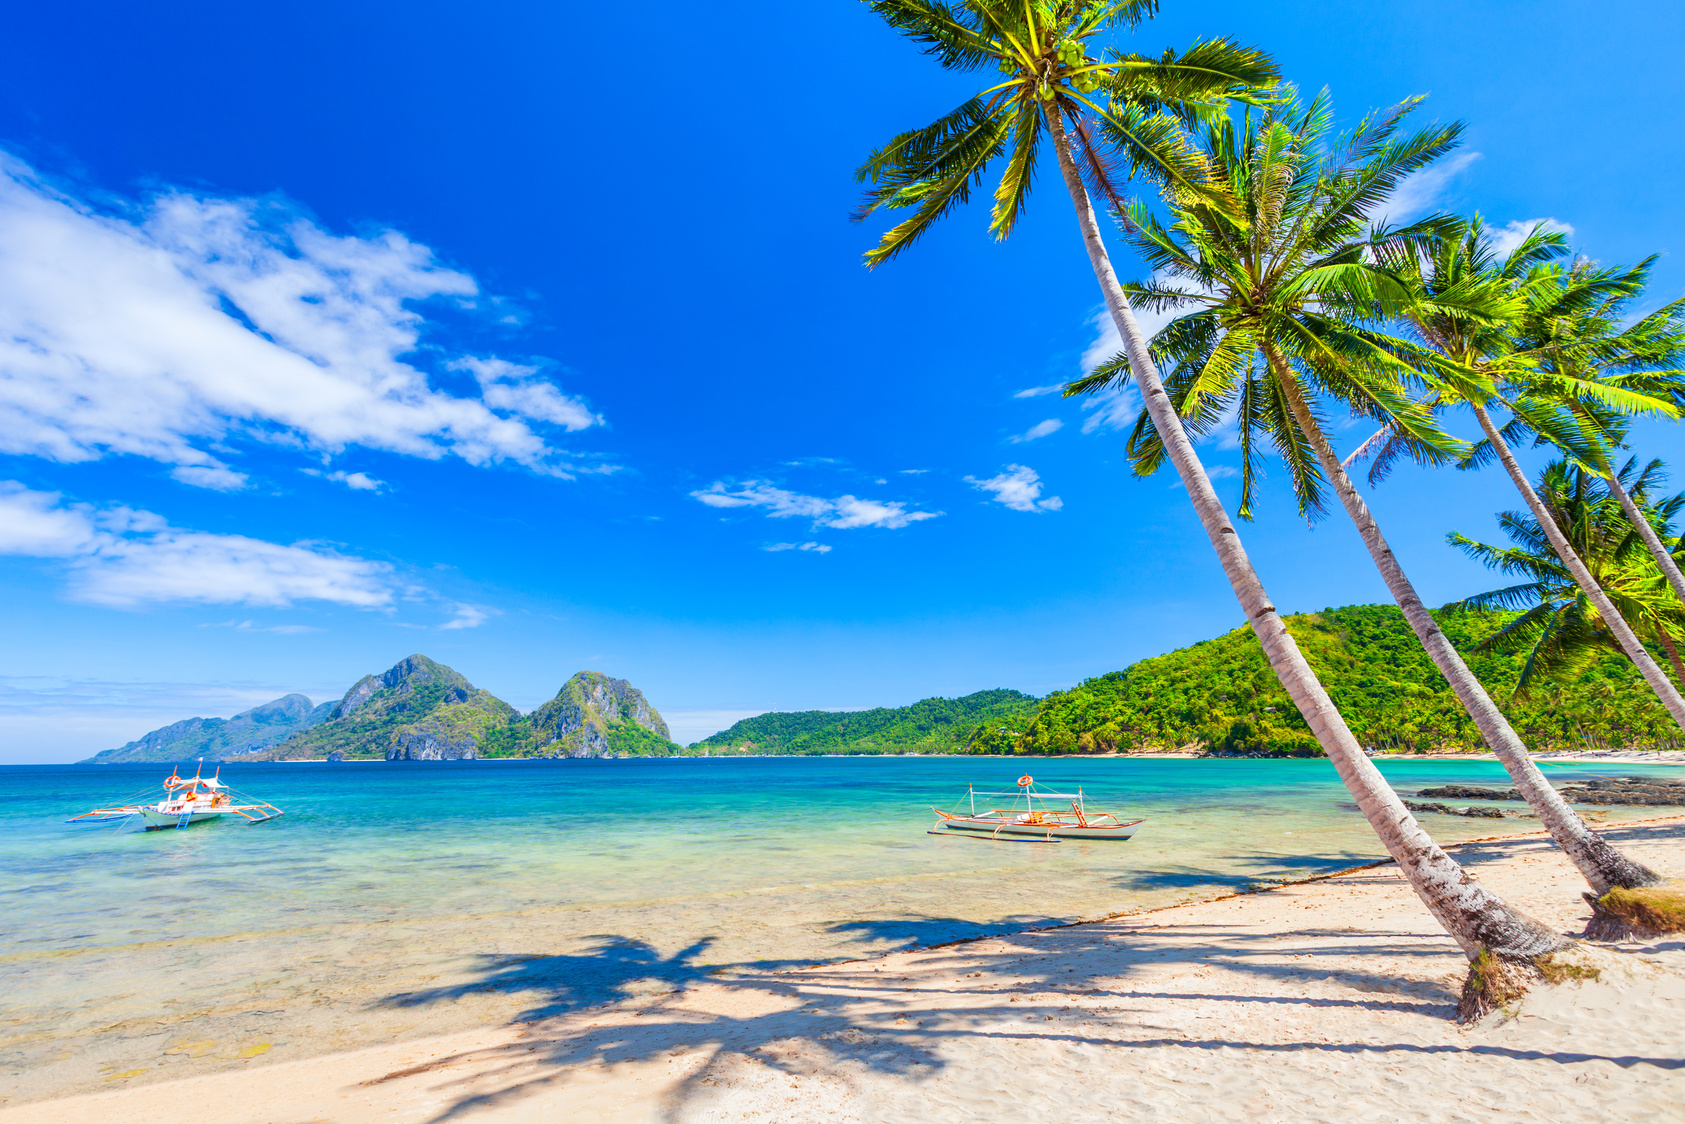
(1328, 1000)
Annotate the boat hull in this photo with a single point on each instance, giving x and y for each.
(156, 819)
(1040, 830)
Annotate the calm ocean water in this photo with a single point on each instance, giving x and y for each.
(396, 900)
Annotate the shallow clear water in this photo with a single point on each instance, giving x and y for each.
(408, 898)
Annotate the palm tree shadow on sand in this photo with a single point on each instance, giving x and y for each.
(786, 1022)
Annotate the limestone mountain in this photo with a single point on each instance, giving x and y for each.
(594, 715)
(217, 739)
(419, 710)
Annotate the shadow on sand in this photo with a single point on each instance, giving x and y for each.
(794, 1022)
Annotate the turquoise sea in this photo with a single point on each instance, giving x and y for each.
(401, 899)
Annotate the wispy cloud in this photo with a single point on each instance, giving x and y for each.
(356, 481)
(1040, 429)
(467, 616)
(188, 322)
(1018, 488)
(124, 558)
(277, 629)
(1037, 391)
(520, 391)
(842, 513)
(216, 477)
(1505, 239)
(1423, 191)
(812, 547)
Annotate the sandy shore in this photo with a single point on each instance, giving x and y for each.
(1330, 1000)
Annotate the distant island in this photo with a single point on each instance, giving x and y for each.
(419, 710)
(1217, 697)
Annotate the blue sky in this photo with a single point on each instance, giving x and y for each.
(536, 339)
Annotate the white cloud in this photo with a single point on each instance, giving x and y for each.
(468, 616)
(356, 481)
(843, 513)
(217, 477)
(914, 471)
(1420, 193)
(1506, 239)
(508, 386)
(813, 547)
(196, 320)
(1037, 391)
(1040, 429)
(124, 559)
(1018, 488)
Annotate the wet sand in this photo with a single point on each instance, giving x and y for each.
(1327, 1000)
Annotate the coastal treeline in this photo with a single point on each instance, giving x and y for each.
(1220, 696)
(927, 726)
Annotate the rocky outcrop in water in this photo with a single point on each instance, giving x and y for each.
(1474, 812)
(219, 739)
(594, 715)
(1661, 792)
(416, 710)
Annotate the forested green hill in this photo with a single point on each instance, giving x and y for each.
(1221, 696)
(927, 726)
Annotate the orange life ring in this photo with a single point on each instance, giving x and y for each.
(1024, 781)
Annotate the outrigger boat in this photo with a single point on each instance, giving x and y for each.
(1037, 821)
(187, 800)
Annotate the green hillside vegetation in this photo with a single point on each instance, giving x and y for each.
(419, 709)
(1221, 697)
(927, 726)
(593, 715)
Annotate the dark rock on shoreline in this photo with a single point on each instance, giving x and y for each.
(1661, 792)
(1447, 810)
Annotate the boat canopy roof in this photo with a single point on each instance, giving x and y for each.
(1033, 795)
(208, 782)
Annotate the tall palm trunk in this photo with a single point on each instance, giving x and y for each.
(1673, 655)
(1478, 920)
(1603, 866)
(1658, 549)
(1636, 652)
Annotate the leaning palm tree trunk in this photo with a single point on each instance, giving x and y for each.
(1658, 549)
(1636, 652)
(1603, 866)
(1478, 920)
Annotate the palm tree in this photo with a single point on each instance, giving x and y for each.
(1470, 308)
(1041, 47)
(1280, 278)
(1559, 628)
(1591, 340)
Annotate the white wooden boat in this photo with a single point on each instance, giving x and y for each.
(1037, 815)
(186, 801)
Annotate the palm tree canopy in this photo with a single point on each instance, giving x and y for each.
(1280, 275)
(1558, 627)
(1546, 339)
(1115, 105)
